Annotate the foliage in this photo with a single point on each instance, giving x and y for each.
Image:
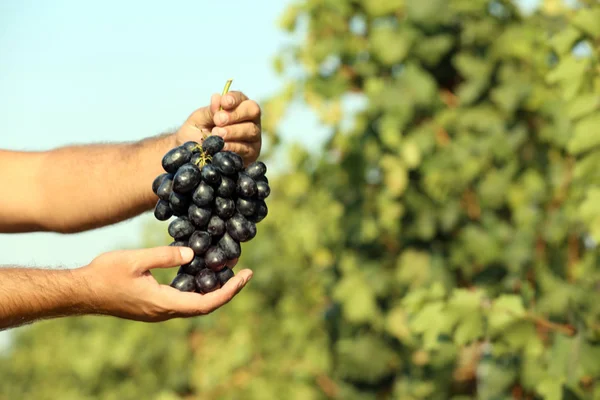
(443, 245)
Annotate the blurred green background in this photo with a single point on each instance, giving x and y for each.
(436, 240)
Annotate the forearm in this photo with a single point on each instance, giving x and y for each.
(77, 188)
(27, 295)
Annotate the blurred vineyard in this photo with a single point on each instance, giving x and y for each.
(442, 245)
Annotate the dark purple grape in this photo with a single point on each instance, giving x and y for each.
(245, 186)
(199, 242)
(179, 243)
(237, 160)
(162, 211)
(224, 208)
(199, 215)
(213, 144)
(157, 181)
(184, 283)
(203, 195)
(186, 178)
(211, 175)
(175, 158)
(191, 146)
(262, 179)
(179, 203)
(231, 248)
(262, 190)
(252, 230)
(246, 207)
(239, 228)
(193, 267)
(207, 281)
(261, 212)
(216, 226)
(224, 275)
(224, 163)
(227, 187)
(180, 228)
(256, 169)
(166, 187)
(215, 258)
(196, 157)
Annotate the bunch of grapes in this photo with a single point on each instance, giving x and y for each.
(216, 203)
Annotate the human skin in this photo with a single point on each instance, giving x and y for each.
(78, 188)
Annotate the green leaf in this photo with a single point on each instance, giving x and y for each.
(583, 105)
(505, 310)
(586, 135)
(587, 21)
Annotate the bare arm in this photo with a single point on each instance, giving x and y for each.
(118, 284)
(78, 188)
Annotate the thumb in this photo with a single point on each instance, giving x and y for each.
(204, 117)
(161, 257)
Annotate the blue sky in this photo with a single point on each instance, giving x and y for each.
(78, 72)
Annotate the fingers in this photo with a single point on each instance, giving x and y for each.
(248, 110)
(204, 117)
(160, 257)
(194, 304)
(248, 151)
(232, 99)
(242, 132)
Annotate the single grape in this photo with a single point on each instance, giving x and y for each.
(203, 195)
(246, 207)
(175, 158)
(184, 283)
(224, 208)
(256, 169)
(237, 160)
(186, 178)
(224, 163)
(207, 281)
(180, 243)
(239, 228)
(245, 186)
(227, 187)
(215, 258)
(213, 144)
(180, 228)
(179, 203)
(211, 175)
(166, 187)
(200, 241)
(252, 230)
(157, 181)
(262, 179)
(261, 212)
(231, 248)
(191, 146)
(162, 211)
(224, 275)
(262, 190)
(193, 267)
(200, 216)
(216, 226)
(196, 157)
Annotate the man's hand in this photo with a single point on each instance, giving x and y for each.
(122, 285)
(119, 284)
(238, 124)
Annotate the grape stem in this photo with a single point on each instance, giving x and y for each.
(206, 157)
(225, 90)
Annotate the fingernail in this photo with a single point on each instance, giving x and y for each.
(186, 253)
(220, 132)
(229, 100)
(223, 118)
